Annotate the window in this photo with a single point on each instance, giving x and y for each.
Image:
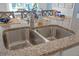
(26, 6)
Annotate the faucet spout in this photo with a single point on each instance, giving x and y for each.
(32, 20)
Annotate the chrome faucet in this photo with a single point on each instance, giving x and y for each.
(32, 20)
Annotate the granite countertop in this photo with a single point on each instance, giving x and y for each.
(57, 18)
(44, 48)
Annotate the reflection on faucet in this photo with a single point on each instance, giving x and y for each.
(32, 20)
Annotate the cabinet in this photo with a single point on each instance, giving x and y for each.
(68, 5)
(63, 5)
(54, 54)
(74, 51)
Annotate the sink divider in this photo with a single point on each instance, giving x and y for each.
(53, 33)
(29, 42)
(41, 36)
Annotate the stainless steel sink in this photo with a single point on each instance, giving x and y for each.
(36, 38)
(62, 33)
(18, 38)
(53, 32)
(26, 37)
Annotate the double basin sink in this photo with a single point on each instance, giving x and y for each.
(20, 38)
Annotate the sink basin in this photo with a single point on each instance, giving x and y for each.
(53, 32)
(18, 38)
(36, 38)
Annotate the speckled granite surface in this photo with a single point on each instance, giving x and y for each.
(44, 48)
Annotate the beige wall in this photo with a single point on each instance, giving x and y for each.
(3, 6)
(43, 6)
